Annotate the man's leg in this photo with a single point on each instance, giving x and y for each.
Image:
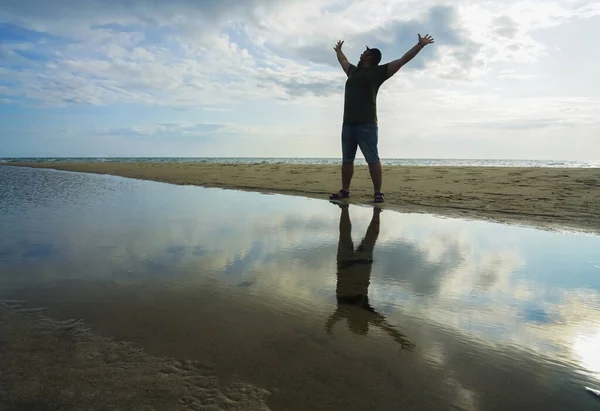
(347, 173)
(367, 141)
(349, 147)
(376, 175)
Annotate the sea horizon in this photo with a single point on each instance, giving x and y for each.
(439, 162)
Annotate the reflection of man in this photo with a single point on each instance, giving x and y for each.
(353, 278)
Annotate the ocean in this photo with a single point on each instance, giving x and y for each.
(291, 160)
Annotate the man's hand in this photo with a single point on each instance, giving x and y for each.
(395, 65)
(423, 41)
(341, 57)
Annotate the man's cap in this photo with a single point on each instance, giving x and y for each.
(375, 53)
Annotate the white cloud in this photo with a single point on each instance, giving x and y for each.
(222, 54)
(190, 65)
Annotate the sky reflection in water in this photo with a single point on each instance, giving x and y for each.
(425, 284)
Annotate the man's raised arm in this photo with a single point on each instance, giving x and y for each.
(341, 57)
(395, 65)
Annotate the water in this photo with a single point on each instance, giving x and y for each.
(336, 161)
(450, 314)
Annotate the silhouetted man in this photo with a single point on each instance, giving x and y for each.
(360, 128)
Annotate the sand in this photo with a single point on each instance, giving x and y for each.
(64, 366)
(547, 198)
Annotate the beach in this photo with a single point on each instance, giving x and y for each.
(124, 293)
(547, 198)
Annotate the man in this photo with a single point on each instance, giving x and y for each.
(359, 128)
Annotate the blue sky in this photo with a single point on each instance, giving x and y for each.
(508, 79)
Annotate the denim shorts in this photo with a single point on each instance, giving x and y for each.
(364, 136)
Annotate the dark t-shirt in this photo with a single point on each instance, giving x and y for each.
(360, 97)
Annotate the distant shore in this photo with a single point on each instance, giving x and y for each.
(556, 198)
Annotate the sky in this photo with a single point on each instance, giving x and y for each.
(259, 78)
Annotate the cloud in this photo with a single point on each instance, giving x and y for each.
(393, 36)
(491, 64)
(164, 53)
(195, 131)
(41, 16)
(505, 26)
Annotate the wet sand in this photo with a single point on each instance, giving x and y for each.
(285, 351)
(62, 365)
(549, 198)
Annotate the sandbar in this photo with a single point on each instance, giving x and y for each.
(547, 198)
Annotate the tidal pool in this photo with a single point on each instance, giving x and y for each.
(325, 307)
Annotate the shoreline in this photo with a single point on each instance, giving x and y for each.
(545, 198)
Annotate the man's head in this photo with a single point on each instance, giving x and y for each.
(370, 57)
